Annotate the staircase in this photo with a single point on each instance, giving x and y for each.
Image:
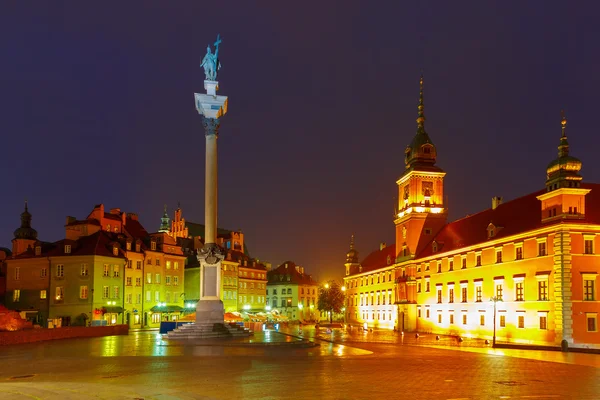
(209, 331)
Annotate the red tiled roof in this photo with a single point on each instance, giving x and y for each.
(379, 258)
(289, 268)
(135, 229)
(519, 215)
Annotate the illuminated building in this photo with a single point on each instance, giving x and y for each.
(292, 293)
(107, 270)
(536, 255)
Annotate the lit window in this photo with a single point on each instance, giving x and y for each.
(521, 321)
(439, 318)
(589, 289)
(38, 250)
(439, 295)
(128, 246)
(60, 271)
(463, 294)
(67, 248)
(106, 271)
(542, 248)
(153, 245)
(519, 253)
(84, 270)
(16, 295)
(502, 321)
(83, 292)
(138, 265)
(43, 294)
(105, 292)
(451, 295)
(478, 293)
(59, 291)
(176, 265)
(499, 291)
(157, 278)
(168, 265)
(519, 296)
(482, 319)
(464, 318)
(116, 292)
(543, 290)
(451, 318)
(116, 271)
(128, 281)
(138, 281)
(137, 247)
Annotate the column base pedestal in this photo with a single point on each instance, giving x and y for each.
(210, 312)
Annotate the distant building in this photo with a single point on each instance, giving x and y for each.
(293, 293)
(534, 258)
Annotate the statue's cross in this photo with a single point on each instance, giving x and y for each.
(218, 42)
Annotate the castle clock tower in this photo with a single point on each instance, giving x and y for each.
(421, 211)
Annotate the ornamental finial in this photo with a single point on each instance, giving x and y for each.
(352, 242)
(421, 115)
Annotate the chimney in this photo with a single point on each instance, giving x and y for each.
(70, 219)
(381, 246)
(496, 201)
(115, 211)
(132, 216)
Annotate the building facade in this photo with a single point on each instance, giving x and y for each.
(292, 293)
(107, 270)
(525, 269)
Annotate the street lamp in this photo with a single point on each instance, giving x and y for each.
(343, 288)
(327, 286)
(495, 299)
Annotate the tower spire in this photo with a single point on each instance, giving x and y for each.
(563, 147)
(164, 222)
(352, 242)
(421, 113)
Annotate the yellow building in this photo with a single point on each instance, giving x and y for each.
(293, 293)
(525, 269)
(252, 279)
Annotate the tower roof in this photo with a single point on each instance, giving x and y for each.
(164, 221)
(25, 231)
(352, 255)
(564, 170)
(421, 151)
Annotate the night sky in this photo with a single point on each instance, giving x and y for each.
(96, 106)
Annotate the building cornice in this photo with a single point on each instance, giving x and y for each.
(561, 191)
(405, 177)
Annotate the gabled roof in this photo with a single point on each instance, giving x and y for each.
(513, 217)
(288, 269)
(379, 259)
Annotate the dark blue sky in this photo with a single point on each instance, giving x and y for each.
(97, 105)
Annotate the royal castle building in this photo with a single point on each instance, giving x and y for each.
(526, 269)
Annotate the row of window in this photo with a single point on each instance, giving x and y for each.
(371, 299)
(373, 279)
(252, 275)
(289, 291)
(591, 319)
(106, 292)
(287, 302)
(244, 285)
(589, 290)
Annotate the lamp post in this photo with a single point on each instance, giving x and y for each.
(494, 299)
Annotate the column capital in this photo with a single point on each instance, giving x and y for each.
(211, 126)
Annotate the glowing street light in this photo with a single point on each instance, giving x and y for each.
(327, 286)
(343, 288)
(300, 306)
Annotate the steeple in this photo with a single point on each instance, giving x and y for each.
(164, 224)
(421, 151)
(563, 172)
(26, 231)
(352, 255)
(421, 113)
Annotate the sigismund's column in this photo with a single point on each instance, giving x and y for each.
(212, 107)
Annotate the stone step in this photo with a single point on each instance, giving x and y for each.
(200, 331)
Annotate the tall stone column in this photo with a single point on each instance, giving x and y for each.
(209, 309)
